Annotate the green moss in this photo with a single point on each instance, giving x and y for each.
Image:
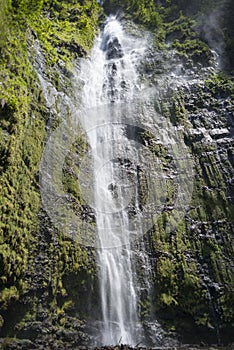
(8, 295)
(220, 85)
(181, 28)
(71, 169)
(23, 119)
(143, 12)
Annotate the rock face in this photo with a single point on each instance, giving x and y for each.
(113, 49)
(199, 252)
(48, 281)
(36, 260)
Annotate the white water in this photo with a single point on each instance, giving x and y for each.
(113, 100)
(110, 85)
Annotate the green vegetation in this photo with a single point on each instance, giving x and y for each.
(65, 31)
(143, 12)
(189, 26)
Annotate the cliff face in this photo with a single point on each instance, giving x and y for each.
(193, 276)
(48, 281)
(39, 43)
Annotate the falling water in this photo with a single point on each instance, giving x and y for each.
(110, 84)
(127, 187)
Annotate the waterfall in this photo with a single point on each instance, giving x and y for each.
(110, 84)
(124, 175)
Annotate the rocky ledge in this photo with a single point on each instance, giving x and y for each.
(25, 344)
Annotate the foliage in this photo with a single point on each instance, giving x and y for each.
(65, 31)
(188, 8)
(143, 12)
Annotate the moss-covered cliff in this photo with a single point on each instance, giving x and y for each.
(48, 283)
(37, 264)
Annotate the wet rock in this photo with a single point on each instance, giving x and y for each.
(113, 49)
(73, 47)
(219, 133)
(17, 344)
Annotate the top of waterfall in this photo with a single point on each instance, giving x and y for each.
(113, 27)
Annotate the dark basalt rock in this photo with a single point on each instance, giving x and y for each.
(113, 49)
(25, 344)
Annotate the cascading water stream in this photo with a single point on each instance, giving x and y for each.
(127, 188)
(110, 87)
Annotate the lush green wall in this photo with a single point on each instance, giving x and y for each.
(35, 259)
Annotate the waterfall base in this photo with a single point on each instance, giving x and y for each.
(18, 344)
(149, 335)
